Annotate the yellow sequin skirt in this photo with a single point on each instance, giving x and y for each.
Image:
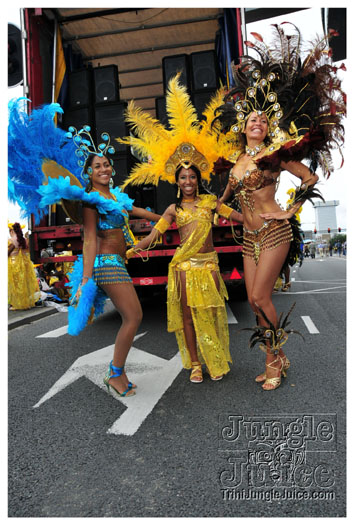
(23, 288)
(207, 304)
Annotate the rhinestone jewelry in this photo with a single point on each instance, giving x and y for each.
(253, 151)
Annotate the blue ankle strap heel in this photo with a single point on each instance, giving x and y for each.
(117, 372)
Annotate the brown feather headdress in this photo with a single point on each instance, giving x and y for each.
(303, 100)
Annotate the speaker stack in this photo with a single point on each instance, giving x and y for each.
(79, 111)
(199, 73)
(171, 65)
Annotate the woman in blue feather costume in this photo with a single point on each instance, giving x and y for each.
(48, 165)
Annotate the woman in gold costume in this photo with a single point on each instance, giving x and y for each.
(281, 111)
(196, 291)
(23, 287)
(184, 154)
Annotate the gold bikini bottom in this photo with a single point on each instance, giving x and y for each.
(273, 233)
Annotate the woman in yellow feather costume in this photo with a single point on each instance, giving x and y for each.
(185, 154)
(23, 288)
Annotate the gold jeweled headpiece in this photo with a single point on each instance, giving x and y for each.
(186, 142)
(186, 155)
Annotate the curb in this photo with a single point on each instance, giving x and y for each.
(29, 317)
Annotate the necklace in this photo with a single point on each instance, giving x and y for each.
(110, 197)
(188, 200)
(252, 152)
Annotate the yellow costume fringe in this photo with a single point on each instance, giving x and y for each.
(23, 288)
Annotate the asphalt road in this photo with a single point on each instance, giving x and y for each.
(177, 449)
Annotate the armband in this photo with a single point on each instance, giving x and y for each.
(304, 193)
(162, 225)
(225, 211)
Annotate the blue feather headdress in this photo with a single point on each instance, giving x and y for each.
(43, 165)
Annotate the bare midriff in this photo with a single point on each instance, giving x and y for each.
(111, 241)
(262, 199)
(264, 202)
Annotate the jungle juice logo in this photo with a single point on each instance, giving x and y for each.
(283, 456)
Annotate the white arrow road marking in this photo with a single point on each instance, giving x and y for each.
(231, 319)
(55, 333)
(152, 374)
(309, 324)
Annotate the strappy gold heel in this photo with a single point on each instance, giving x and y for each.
(286, 365)
(274, 381)
(197, 373)
(286, 287)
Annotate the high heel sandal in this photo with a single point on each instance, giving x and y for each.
(197, 373)
(118, 371)
(286, 365)
(271, 339)
(274, 381)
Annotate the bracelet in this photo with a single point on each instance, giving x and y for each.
(162, 225)
(225, 211)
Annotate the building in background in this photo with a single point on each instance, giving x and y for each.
(326, 216)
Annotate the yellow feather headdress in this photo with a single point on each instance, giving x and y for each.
(187, 141)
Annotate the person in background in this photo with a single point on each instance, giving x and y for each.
(23, 287)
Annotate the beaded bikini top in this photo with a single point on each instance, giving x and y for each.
(252, 180)
(110, 222)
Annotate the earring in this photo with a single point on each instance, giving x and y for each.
(178, 192)
(111, 183)
(197, 192)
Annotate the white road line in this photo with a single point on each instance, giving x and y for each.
(320, 290)
(153, 375)
(55, 333)
(231, 319)
(309, 324)
(332, 281)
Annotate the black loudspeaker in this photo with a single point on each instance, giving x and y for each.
(122, 163)
(204, 71)
(337, 19)
(110, 118)
(172, 65)
(147, 197)
(161, 113)
(201, 100)
(106, 85)
(78, 118)
(80, 88)
(165, 195)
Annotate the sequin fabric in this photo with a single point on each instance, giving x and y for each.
(205, 299)
(110, 269)
(111, 222)
(23, 288)
(251, 181)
